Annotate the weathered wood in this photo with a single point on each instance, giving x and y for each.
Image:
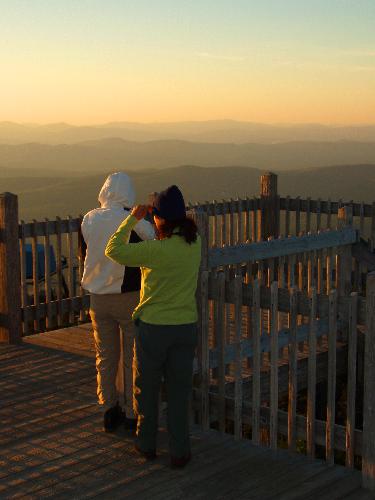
(47, 276)
(40, 228)
(328, 271)
(269, 213)
(215, 232)
(280, 247)
(204, 348)
(331, 384)
(298, 216)
(57, 307)
(254, 220)
(325, 206)
(344, 268)
(329, 211)
(59, 268)
(284, 303)
(287, 216)
(240, 236)
(223, 231)
(71, 281)
(352, 380)
(23, 265)
(10, 277)
(311, 382)
(238, 358)
(82, 314)
(220, 333)
(361, 218)
(35, 280)
(308, 215)
(292, 398)
(247, 228)
(320, 278)
(318, 214)
(368, 453)
(202, 221)
(255, 413)
(274, 396)
(232, 211)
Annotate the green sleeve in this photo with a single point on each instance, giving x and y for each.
(121, 251)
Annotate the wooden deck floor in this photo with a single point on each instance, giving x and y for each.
(52, 445)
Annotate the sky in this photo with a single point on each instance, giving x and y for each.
(269, 61)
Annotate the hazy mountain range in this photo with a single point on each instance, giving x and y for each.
(116, 154)
(214, 131)
(58, 169)
(44, 195)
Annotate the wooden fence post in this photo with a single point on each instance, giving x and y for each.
(368, 440)
(269, 213)
(202, 221)
(10, 275)
(344, 257)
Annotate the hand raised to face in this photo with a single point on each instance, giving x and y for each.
(140, 211)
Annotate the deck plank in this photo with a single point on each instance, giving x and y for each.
(52, 445)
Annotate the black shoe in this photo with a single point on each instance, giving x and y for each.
(130, 423)
(113, 417)
(148, 455)
(179, 462)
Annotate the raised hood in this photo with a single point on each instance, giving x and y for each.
(117, 191)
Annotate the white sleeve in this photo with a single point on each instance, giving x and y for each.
(145, 230)
(85, 228)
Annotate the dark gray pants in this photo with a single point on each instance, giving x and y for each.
(163, 350)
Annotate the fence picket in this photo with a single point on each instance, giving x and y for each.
(331, 380)
(256, 314)
(274, 386)
(352, 380)
(287, 216)
(311, 382)
(59, 274)
(47, 275)
(238, 359)
(23, 270)
(35, 274)
(292, 397)
(220, 333)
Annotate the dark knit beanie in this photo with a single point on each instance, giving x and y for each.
(169, 204)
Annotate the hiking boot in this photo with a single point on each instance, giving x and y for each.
(113, 417)
(179, 462)
(148, 455)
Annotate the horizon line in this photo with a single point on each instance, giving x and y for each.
(220, 120)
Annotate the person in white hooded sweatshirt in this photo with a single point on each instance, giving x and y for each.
(114, 293)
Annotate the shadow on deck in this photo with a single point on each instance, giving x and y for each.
(52, 445)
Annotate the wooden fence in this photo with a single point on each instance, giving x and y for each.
(284, 309)
(44, 254)
(293, 331)
(51, 270)
(271, 395)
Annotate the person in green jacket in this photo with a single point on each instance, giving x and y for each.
(165, 319)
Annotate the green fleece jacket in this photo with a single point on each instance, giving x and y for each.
(169, 270)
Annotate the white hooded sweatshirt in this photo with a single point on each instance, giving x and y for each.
(101, 275)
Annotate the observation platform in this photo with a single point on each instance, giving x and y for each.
(52, 445)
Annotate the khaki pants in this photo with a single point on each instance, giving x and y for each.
(114, 339)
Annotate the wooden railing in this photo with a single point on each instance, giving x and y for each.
(265, 378)
(284, 308)
(48, 294)
(51, 271)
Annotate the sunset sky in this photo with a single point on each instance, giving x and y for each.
(94, 61)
